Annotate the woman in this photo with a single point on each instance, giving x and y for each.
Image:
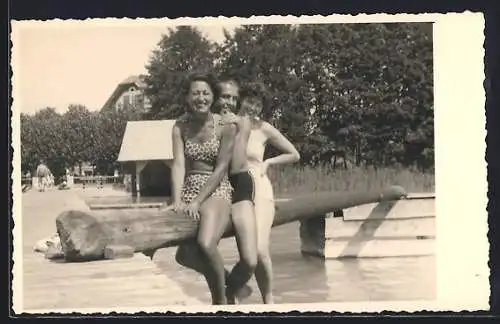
(242, 216)
(202, 150)
(252, 101)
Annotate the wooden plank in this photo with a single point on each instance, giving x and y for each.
(397, 209)
(337, 228)
(84, 235)
(110, 283)
(35, 277)
(125, 206)
(421, 195)
(95, 285)
(378, 248)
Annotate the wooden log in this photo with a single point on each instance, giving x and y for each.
(112, 252)
(84, 235)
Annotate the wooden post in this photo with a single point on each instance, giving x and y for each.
(139, 166)
(312, 236)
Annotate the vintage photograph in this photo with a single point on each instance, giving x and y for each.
(224, 163)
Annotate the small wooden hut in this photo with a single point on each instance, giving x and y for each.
(146, 154)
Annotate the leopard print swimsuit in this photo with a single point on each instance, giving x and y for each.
(194, 181)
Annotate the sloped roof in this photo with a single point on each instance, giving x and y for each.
(147, 140)
(137, 80)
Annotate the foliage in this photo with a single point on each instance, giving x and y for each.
(179, 51)
(110, 128)
(41, 139)
(366, 89)
(363, 88)
(79, 133)
(77, 136)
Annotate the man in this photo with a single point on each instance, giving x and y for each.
(243, 213)
(42, 172)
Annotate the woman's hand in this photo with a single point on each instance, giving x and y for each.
(176, 207)
(230, 118)
(193, 210)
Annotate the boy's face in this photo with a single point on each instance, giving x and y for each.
(251, 106)
(228, 97)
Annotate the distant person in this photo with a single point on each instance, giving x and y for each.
(100, 180)
(43, 173)
(116, 175)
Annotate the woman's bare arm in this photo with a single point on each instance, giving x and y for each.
(222, 164)
(178, 166)
(275, 138)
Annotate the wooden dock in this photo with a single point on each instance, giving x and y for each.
(135, 282)
(132, 282)
(405, 227)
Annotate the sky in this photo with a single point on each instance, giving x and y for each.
(55, 65)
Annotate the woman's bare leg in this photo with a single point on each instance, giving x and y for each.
(189, 255)
(245, 226)
(264, 209)
(214, 218)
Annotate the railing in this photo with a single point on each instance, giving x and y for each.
(97, 180)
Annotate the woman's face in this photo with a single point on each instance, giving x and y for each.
(251, 107)
(200, 97)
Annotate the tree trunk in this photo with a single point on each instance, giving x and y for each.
(84, 235)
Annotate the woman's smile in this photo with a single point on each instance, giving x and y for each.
(201, 96)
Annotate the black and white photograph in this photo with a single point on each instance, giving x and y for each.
(256, 164)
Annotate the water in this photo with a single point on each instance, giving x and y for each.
(299, 279)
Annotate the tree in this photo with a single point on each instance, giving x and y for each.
(29, 152)
(110, 126)
(79, 131)
(266, 53)
(377, 84)
(41, 138)
(362, 88)
(181, 50)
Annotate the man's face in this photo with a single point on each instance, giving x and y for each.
(228, 97)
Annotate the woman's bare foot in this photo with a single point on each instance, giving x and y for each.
(268, 299)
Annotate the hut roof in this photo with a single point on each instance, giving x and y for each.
(147, 140)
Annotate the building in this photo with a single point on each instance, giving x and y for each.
(146, 154)
(129, 92)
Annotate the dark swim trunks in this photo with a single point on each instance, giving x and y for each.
(243, 186)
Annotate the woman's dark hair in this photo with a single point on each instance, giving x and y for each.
(255, 90)
(207, 77)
